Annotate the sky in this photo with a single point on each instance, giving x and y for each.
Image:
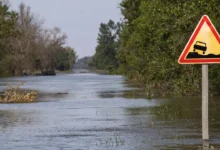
(79, 19)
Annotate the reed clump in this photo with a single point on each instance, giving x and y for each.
(14, 94)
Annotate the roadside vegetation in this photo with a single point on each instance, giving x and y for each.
(147, 44)
(27, 47)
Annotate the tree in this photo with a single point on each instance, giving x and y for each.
(153, 38)
(25, 46)
(65, 59)
(8, 31)
(105, 56)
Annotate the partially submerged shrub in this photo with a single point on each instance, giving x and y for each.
(14, 94)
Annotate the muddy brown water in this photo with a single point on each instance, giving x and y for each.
(98, 114)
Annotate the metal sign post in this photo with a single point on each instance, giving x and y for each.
(205, 105)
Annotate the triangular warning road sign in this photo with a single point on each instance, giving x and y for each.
(203, 46)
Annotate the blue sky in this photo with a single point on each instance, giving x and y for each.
(79, 19)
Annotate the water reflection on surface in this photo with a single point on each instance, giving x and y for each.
(101, 112)
(14, 118)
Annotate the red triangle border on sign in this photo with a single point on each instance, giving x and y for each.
(182, 58)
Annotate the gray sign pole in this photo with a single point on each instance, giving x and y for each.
(205, 106)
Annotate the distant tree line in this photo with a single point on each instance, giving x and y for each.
(153, 35)
(26, 46)
(83, 63)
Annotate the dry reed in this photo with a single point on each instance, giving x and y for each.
(14, 94)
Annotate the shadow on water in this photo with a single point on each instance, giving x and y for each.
(109, 94)
(10, 118)
(175, 121)
(52, 97)
(129, 94)
(178, 121)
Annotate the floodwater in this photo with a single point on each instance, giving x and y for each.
(101, 112)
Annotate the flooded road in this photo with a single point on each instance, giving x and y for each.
(101, 112)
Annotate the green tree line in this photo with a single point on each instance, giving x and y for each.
(26, 46)
(153, 35)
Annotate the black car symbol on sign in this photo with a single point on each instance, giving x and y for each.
(200, 46)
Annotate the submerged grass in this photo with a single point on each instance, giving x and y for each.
(112, 141)
(14, 94)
